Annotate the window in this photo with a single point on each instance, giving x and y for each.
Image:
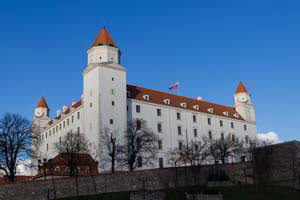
(67, 169)
(64, 124)
(210, 134)
(161, 163)
(146, 97)
(138, 108)
(87, 170)
(160, 145)
(112, 79)
(196, 147)
(72, 119)
(46, 135)
(138, 124)
(57, 169)
(233, 138)
(113, 103)
(49, 132)
(159, 128)
(167, 101)
(232, 125)
(60, 126)
(53, 130)
(209, 121)
(112, 91)
(245, 127)
(178, 116)
(194, 118)
(247, 139)
(195, 132)
(78, 115)
(47, 147)
(111, 121)
(222, 136)
(56, 128)
(221, 123)
(140, 161)
(158, 111)
(78, 130)
(91, 105)
(179, 130)
(68, 122)
(180, 145)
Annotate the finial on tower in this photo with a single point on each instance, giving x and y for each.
(104, 38)
(241, 89)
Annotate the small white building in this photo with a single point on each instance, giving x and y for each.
(109, 102)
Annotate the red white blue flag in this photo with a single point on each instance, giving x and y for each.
(175, 86)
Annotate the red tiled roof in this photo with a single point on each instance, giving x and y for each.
(241, 89)
(76, 105)
(104, 38)
(175, 101)
(42, 103)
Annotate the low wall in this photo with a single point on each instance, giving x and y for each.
(144, 180)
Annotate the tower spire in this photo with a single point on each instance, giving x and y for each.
(42, 103)
(104, 38)
(241, 89)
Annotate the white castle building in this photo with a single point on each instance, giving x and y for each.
(109, 102)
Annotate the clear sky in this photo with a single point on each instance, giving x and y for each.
(209, 46)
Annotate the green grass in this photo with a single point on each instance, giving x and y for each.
(229, 193)
(106, 196)
(240, 193)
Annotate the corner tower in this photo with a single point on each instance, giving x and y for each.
(243, 103)
(41, 116)
(104, 91)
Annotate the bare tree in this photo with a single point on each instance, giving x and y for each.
(141, 146)
(73, 144)
(15, 142)
(224, 147)
(191, 154)
(111, 148)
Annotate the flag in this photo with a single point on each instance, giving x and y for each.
(174, 86)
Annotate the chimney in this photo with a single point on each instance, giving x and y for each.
(58, 112)
(65, 108)
(199, 98)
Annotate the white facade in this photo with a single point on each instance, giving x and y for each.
(105, 103)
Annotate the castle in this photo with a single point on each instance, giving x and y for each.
(109, 102)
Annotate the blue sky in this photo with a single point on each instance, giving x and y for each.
(209, 46)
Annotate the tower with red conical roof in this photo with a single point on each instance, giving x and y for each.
(41, 116)
(104, 49)
(243, 103)
(104, 90)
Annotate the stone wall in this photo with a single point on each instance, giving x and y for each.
(204, 197)
(146, 180)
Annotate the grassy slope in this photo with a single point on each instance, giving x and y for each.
(229, 193)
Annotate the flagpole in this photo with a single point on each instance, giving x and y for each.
(178, 88)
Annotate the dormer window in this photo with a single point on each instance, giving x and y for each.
(226, 113)
(146, 97)
(183, 105)
(196, 107)
(167, 101)
(211, 110)
(236, 115)
(128, 93)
